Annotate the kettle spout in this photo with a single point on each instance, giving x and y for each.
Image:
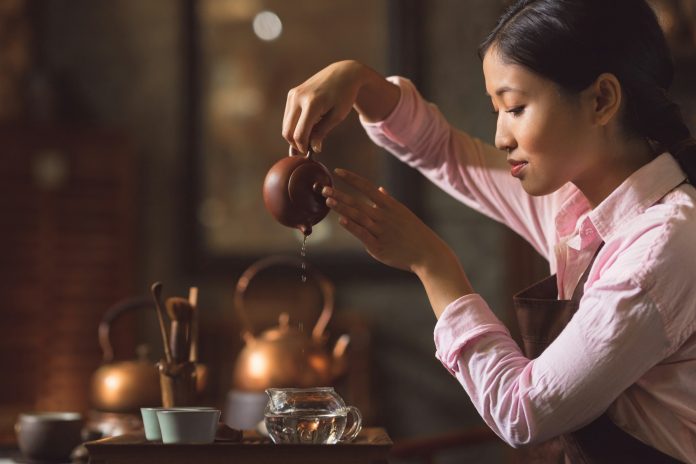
(339, 366)
(342, 343)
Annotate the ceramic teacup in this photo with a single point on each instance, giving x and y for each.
(151, 422)
(188, 425)
(48, 436)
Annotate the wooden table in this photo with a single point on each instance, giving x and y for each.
(370, 447)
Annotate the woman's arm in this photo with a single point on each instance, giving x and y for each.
(395, 236)
(324, 100)
(471, 171)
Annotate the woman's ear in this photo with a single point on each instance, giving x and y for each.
(605, 96)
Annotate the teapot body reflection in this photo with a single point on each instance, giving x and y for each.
(292, 191)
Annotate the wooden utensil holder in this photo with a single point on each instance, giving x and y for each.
(178, 383)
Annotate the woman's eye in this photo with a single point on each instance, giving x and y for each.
(516, 111)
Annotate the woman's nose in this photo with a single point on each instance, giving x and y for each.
(503, 138)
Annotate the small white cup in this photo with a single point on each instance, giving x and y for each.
(151, 423)
(188, 425)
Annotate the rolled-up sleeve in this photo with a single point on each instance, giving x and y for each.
(463, 320)
(577, 377)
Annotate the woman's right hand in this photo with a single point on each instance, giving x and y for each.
(324, 100)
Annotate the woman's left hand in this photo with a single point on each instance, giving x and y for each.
(395, 236)
(391, 232)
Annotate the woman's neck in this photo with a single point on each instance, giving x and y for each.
(614, 165)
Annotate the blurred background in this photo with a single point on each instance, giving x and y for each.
(135, 136)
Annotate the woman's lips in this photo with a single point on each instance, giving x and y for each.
(517, 167)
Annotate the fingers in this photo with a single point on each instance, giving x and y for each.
(306, 121)
(362, 234)
(307, 126)
(320, 103)
(359, 213)
(292, 114)
(301, 115)
(378, 195)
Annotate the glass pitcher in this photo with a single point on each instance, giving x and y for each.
(310, 416)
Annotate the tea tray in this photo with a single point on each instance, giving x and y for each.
(371, 446)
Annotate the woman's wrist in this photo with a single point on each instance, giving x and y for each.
(376, 97)
(443, 278)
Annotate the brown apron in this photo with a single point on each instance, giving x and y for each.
(541, 317)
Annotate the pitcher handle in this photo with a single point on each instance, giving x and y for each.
(356, 426)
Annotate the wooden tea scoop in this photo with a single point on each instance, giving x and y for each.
(156, 290)
(193, 301)
(180, 312)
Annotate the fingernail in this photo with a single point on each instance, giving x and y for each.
(330, 202)
(316, 146)
(340, 171)
(326, 191)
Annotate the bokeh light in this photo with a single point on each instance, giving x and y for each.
(267, 25)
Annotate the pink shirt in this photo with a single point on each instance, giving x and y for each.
(630, 348)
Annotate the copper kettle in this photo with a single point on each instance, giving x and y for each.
(292, 191)
(285, 356)
(124, 386)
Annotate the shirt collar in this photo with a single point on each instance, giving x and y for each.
(638, 192)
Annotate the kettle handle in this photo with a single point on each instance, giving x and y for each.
(112, 313)
(325, 286)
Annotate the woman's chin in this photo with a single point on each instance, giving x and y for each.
(536, 189)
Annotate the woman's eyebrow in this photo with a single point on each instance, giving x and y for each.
(505, 89)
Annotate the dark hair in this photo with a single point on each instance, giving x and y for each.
(572, 42)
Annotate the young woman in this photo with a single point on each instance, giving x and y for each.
(592, 166)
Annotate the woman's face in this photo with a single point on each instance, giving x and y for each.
(547, 134)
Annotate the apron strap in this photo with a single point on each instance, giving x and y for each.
(580, 287)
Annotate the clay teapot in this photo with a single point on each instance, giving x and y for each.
(124, 386)
(286, 356)
(292, 191)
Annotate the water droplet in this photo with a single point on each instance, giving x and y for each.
(303, 254)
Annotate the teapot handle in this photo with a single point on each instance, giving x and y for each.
(112, 313)
(309, 155)
(325, 286)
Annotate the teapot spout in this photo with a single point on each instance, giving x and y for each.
(272, 395)
(306, 229)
